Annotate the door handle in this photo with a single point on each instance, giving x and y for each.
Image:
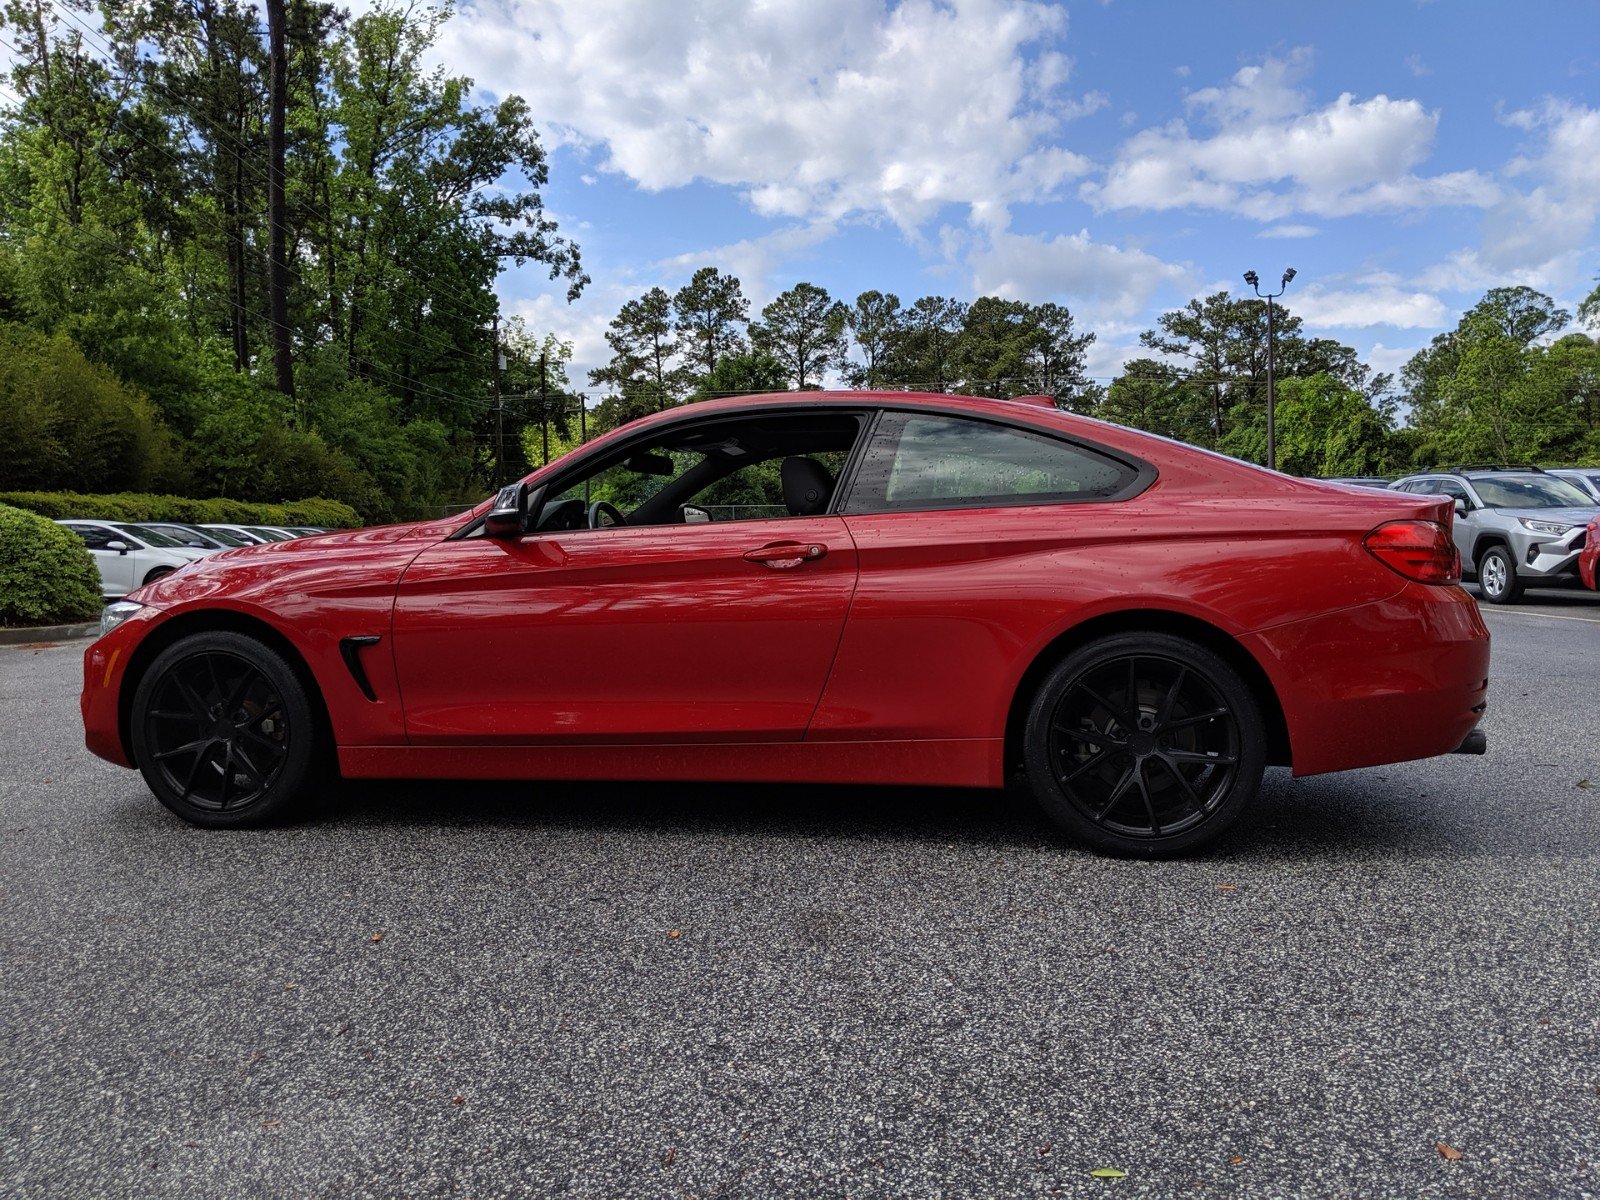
(782, 555)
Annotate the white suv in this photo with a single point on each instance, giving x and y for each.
(128, 557)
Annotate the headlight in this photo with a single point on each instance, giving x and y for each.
(115, 614)
(1550, 527)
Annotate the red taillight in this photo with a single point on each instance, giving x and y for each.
(1420, 550)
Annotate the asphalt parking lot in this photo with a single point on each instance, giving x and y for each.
(451, 990)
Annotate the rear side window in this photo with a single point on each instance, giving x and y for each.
(921, 461)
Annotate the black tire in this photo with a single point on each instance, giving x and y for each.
(1497, 576)
(224, 732)
(1157, 782)
(158, 573)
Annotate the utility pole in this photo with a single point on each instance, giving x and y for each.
(544, 409)
(499, 410)
(277, 253)
(1254, 281)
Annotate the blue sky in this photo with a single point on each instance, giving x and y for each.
(1116, 157)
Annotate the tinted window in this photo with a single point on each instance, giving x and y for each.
(919, 462)
(1449, 487)
(95, 537)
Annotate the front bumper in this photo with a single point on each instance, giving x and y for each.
(105, 662)
(1549, 558)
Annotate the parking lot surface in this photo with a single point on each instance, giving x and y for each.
(452, 990)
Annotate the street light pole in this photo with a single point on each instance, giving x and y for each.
(1254, 281)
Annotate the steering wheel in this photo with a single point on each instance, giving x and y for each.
(600, 509)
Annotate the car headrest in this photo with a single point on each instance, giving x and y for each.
(807, 486)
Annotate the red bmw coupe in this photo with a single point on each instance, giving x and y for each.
(826, 587)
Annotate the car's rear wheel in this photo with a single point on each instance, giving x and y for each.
(1144, 744)
(223, 731)
(1497, 576)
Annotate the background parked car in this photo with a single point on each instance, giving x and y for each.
(1585, 479)
(195, 537)
(1372, 481)
(249, 534)
(1514, 525)
(129, 557)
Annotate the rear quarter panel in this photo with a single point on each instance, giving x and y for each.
(952, 607)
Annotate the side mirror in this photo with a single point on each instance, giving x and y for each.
(508, 518)
(1461, 508)
(119, 546)
(694, 515)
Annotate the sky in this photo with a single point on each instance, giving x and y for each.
(1119, 158)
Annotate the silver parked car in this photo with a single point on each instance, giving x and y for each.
(1514, 525)
(1585, 479)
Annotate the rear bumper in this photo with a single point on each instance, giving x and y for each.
(1394, 680)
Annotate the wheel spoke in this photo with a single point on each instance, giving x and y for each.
(262, 739)
(180, 716)
(250, 767)
(1093, 736)
(1172, 697)
(1116, 794)
(1183, 782)
(192, 697)
(186, 748)
(227, 775)
(236, 697)
(1089, 764)
(271, 710)
(1144, 791)
(194, 770)
(1133, 691)
(1197, 719)
(1209, 760)
(1125, 718)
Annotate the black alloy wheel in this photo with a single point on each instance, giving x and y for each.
(223, 731)
(1144, 744)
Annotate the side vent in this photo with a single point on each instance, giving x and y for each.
(350, 649)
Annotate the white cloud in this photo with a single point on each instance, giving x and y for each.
(754, 261)
(1096, 277)
(1270, 155)
(818, 111)
(1362, 307)
(1288, 231)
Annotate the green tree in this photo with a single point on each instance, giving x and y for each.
(711, 313)
(804, 330)
(644, 352)
(921, 354)
(874, 321)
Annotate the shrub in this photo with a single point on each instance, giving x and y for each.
(133, 506)
(46, 575)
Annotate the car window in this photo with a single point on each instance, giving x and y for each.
(1529, 491)
(96, 537)
(1449, 487)
(152, 537)
(711, 471)
(920, 461)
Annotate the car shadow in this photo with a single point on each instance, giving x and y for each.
(1360, 815)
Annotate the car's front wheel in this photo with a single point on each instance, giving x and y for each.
(223, 731)
(1144, 744)
(1497, 576)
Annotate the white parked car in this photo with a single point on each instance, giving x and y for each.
(130, 557)
(253, 534)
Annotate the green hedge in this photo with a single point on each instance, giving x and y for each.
(46, 575)
(133, 506)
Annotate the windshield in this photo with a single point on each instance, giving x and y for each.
(228, 538)
(1529, 491)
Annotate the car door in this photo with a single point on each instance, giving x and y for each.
(116, 566)
(682, 633)
(951, 518)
